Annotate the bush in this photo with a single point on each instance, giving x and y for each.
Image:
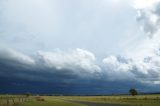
(133, 92)
(28, 94)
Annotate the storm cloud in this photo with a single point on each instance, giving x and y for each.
(27, 57)
(144, 64)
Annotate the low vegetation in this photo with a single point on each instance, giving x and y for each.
(133, 92)
(137, 100)
(35, 101)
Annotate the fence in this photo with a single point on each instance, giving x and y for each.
(12, 100)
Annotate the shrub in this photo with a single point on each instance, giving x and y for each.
(133, 92)
(28, 94)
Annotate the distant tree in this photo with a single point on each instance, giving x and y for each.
(133, 92)
(28, 94)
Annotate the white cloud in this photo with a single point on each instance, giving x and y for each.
(115, 64)
(16, 56)
(145, 70)
(143, 65)
(76, 60)
(141, 4)
(118, 68)
(148, 15)
(146, 57)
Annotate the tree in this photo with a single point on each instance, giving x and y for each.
(28, 94)
(133, 92)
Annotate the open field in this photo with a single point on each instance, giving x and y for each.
(36, 101)
(142, 100)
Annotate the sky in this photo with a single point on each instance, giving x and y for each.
(79, 47)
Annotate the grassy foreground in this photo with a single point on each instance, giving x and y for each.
(141, 100)
(46, 101)
(50, 101)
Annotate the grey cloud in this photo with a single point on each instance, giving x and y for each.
(76, 59)
(81, 65)
(146, 68)
(77, 63)
(149, 18)
(12, 55)
(132, 69)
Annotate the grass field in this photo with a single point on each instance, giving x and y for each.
(50, 101)
(142, 100)
(33, 101)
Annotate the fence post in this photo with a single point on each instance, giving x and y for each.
(7, 101)
(0, 99)
(19, 99)
(13, 100)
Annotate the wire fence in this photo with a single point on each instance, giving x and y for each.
(12, 100)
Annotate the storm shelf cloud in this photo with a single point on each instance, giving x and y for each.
(65, 51)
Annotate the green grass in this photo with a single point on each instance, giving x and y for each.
(49, 101)
(11, 99)
(141, 100)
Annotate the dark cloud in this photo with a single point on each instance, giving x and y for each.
(16, 77)
(77, 71)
